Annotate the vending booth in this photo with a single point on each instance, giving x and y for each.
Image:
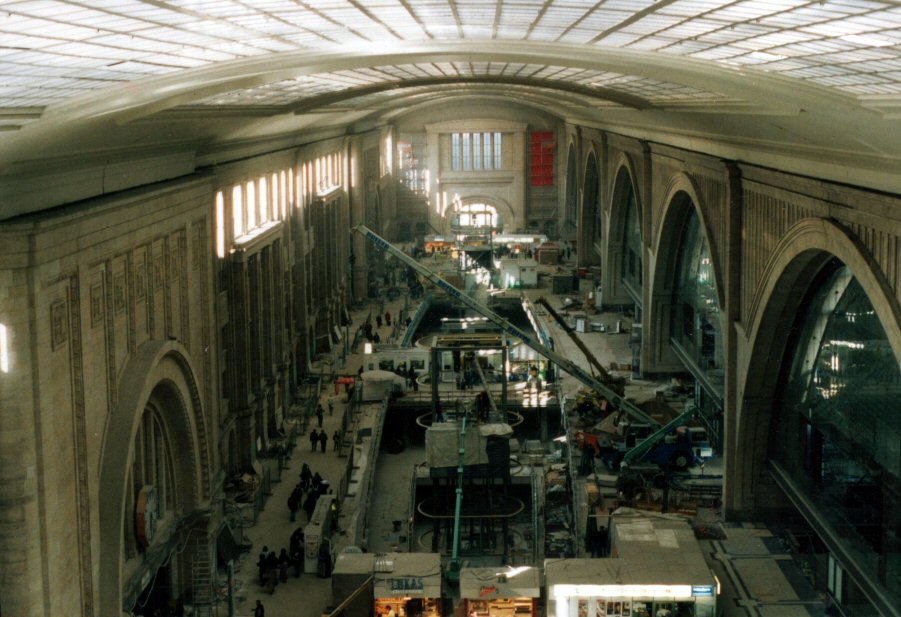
(407, 585)
(657, 570)
(503, 591)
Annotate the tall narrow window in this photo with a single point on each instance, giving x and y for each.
(455, 152)
(220, 224)
(264, 201)
(238, 210)
(251, 205)
(498, 159)
(467, 153)
(486, 150)
(317, 180)
(4, 350)
(283, 194)
(477, 151)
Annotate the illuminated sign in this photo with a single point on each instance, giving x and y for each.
(405, 585)
(487, 590)
(625, 591)
(702, 590)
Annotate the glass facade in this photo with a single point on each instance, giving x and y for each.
(590, 194)
(631, 270)
(837, 426)
(696, 319)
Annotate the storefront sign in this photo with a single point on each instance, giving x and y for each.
(405, 585)
(623, 591)
(702, 590)
(487, 590)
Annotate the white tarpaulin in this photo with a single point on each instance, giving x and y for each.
(376, 385)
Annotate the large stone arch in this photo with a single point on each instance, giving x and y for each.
(681, 196)
(589, 205)
(161, 372)
(625, 175)
(799, 256)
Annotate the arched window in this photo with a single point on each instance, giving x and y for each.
(632, 250)
(590, 204)
(474, 216)
(151, 469)
(837, 426)
(696, 323)
(571, 207)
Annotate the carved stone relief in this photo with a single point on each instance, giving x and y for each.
(119, 292)
(96, 304)
(59, 331)
(140, 279)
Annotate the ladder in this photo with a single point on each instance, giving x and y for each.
(202, 579)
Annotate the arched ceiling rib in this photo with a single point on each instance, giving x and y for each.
(792, 76)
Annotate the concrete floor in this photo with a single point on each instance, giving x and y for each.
(758, 575)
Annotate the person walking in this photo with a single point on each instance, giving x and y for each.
(259, 610)
(271, 572)
(331, 406)
(378, 321)
(387, 318)
(306, 476)
(261, 565)
(309, 504)
(297, 560)
(283, 562)
(336, 440)
(319, 416)
(294, 502)
(323, 440)
(314, 437)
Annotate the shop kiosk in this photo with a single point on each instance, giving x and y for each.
(407, 585)
(501, 591)
(657, 570)
(352, 571)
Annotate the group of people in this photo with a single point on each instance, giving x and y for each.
(273, 568)
(320, 438)
(306, 493)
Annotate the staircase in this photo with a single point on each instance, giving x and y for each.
(202, 579)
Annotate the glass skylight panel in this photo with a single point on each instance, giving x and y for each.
(720, 52)
(558, 15)
(542, 33)
(687, 48)
(650, 43)
(577, 36)
(652, 23)
(518, 15)
(691, 8)
(602, 20)
(618, 39)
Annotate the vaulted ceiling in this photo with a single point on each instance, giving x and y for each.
(813, 87)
